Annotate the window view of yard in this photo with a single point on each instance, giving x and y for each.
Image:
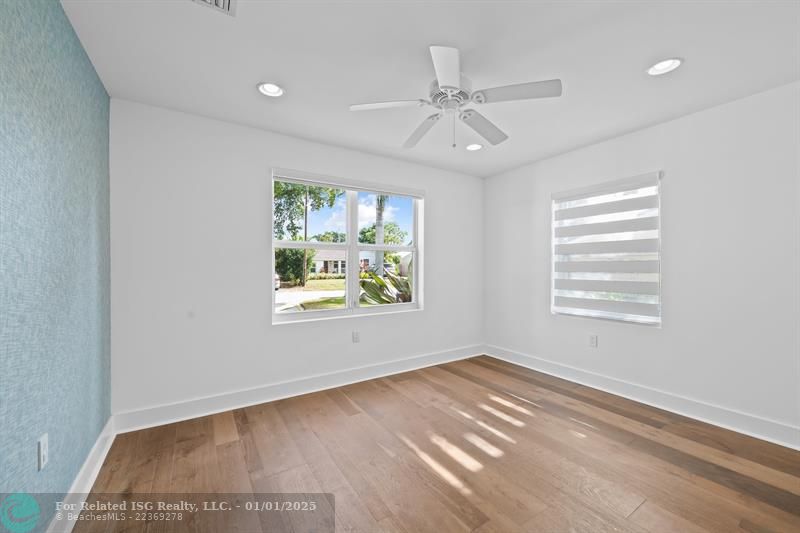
(324, 287)
(310, 231)
(316, 295)
(386, 277)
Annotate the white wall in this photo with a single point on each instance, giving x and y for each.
(191, 274)
(729, 348)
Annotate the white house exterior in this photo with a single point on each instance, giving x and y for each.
(334, 262)
(329, 262)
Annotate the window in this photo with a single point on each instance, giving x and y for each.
(607, 251)
(343, 248)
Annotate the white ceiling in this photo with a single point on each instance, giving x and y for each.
(327, 55)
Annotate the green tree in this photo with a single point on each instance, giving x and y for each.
(330, 236)
(289, 263)
(291, 204)
(392, 234)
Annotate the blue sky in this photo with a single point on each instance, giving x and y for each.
(399, 209)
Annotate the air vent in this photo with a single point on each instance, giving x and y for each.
(225, 6)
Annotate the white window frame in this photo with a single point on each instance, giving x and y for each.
(352, 247)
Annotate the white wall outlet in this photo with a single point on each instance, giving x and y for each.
(43, 451)
(593, 341)
(356, 337)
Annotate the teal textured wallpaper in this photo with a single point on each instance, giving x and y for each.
(54, 251)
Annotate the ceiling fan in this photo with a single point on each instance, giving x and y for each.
(450, 92)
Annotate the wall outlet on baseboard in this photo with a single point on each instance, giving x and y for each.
(593, 341)
(356, 337)
(43, 451)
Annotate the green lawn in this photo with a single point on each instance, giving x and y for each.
(324, 285)
(329, 303)
(324, 303)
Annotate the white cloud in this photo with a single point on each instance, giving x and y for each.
(366, 211)
(366, 214)
(337, 221)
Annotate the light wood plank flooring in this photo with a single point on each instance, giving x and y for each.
(478, 445)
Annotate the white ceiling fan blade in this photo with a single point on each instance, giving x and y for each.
(447, 64)
(387, 105)
(421, 130)
(483, 126)
(520, 91)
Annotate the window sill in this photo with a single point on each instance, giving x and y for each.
(316, 316)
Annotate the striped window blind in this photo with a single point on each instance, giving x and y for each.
(606, 251)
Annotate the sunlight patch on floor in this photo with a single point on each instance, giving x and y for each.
(501, 415)
(520, 398)
(511, 405)
(456, 453)
(487, 447)
(434, 465)
(495, 431)
(484, 425)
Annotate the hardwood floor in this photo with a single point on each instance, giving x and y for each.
(477, 445)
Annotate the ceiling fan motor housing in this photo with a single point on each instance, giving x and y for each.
(449, 99)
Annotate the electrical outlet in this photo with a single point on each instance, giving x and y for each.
(44, 451)
(356, 337)
(593, 341)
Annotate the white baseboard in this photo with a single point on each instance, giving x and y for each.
(174, 412)
(749, 424)
(84, 481)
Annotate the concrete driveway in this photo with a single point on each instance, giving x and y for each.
(288, 297)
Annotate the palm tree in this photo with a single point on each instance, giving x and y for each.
(380, 204)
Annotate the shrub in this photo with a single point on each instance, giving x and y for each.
(391, 289)
(289, 263)
(323, 275)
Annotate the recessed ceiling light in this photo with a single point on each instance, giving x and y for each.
(474, 147)
(270, 89)
(662, 67)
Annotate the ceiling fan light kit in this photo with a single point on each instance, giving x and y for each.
(451, 91)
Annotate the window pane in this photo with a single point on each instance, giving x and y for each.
(308, 213)
(385, 277)
(385, 219)
(325, 283)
